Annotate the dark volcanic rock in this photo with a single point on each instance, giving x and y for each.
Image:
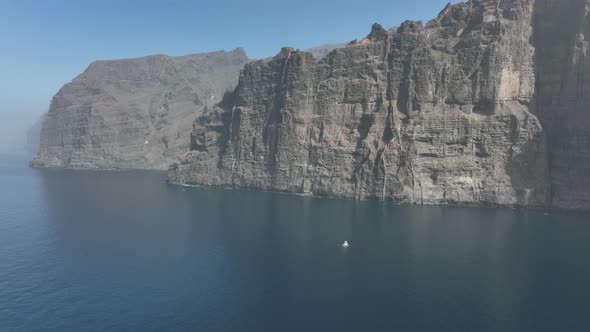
(472, 107)
(134, 113)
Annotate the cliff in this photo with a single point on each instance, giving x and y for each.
(562, 100)
(133, 113)
(485, 104)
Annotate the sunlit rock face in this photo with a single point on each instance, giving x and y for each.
(484, 104)
(134, 113)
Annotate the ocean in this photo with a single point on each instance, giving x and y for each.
(125, 251)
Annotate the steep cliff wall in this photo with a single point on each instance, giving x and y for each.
(563, 97)
(456, 111)
(134, 113)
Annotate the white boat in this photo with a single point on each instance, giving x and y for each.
(345, 244)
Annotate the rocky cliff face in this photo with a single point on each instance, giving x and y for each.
(134, 113)
(563, 97)
(485, 104)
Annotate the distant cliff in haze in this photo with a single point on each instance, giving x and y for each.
(134, 113)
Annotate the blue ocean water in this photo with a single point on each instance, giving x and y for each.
(124, 251)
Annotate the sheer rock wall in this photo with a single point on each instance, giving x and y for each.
(484, 104)
(134, 113)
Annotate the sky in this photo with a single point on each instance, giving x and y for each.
(46, 43)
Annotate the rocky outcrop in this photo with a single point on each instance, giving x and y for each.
(485, 105)
(134, 113)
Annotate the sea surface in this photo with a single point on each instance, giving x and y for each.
(124, 251)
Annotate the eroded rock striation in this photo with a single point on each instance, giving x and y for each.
(485, 104)
(134, 113)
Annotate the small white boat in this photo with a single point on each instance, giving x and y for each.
(345, 244)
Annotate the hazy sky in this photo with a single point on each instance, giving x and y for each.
(46, 43)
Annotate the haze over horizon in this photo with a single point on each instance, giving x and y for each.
(46, 45)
